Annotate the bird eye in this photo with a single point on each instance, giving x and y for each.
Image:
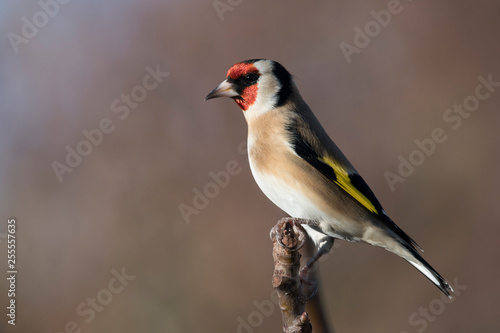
(251, 77)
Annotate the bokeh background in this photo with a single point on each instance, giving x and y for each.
(120, 207)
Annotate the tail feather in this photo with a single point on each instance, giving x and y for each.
(423, 266)
(398, 242)
(404, 246)
(399, 232)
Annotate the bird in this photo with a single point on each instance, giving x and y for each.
(303, 172)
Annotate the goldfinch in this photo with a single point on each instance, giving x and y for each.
(301, 170)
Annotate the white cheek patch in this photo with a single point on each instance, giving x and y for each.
(267, 91)
(267, 96)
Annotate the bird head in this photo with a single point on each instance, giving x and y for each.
(256, 85)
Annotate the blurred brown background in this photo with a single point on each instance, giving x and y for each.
(120, 206)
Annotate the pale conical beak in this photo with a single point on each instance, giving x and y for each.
(225, 89)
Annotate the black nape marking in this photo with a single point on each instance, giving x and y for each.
(285, 79)
(250, 61)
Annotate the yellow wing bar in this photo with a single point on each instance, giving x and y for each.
(343, 180)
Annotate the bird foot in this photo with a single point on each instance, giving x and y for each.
(309, 285)
(280, 233)
(290, 234)
(297, 224)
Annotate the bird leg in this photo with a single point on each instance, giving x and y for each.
(324, 247)
(304, 274)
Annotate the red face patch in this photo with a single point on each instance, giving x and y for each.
(241, 69)
(249, 94)
(248, 97)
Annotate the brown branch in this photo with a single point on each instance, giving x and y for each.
(286, 280)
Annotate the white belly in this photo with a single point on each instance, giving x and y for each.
(295, 204)
(291, 199)
(286, 197)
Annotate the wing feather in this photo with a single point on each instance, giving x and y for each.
(351, 183)
(346, 178)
